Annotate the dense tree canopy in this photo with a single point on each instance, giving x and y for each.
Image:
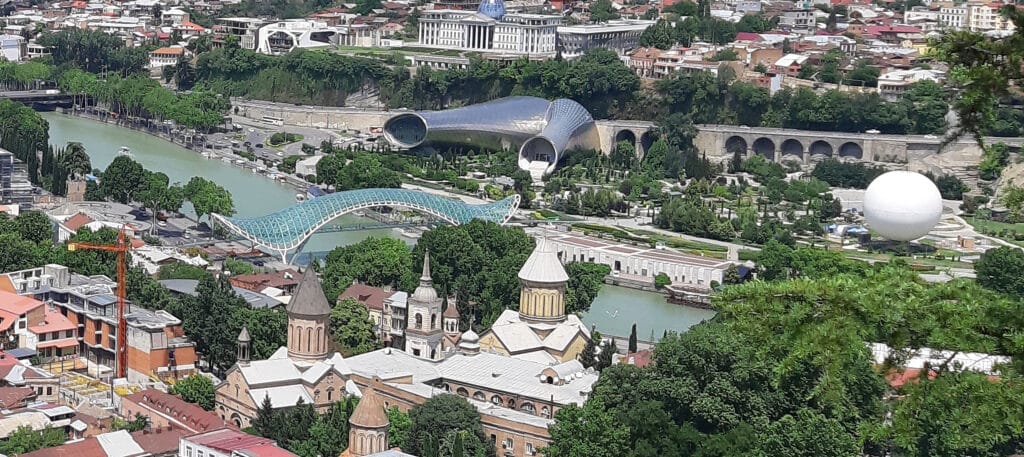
(438, 418)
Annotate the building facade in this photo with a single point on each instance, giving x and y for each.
(157, 346)
(490, 29)
(245, 29)
(303, 369)
(15, 187)
(283, 37)
(540, 331)
(620, 36)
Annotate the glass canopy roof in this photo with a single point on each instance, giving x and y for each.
(287, 229)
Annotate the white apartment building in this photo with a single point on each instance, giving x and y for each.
(513, 33)
(245, 28)
(12, 48)
(985, 17)
(894, 84)
(798, 21)
(953, 17)
(283, 37)
(620, 36)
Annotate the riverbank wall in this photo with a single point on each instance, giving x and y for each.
(319, 117)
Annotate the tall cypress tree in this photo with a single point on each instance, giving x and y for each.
(632, 339)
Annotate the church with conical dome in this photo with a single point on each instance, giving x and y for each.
(304, 369)
(540, 331)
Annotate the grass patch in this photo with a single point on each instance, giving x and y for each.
(1002, 230)
(283, 138)
(681, 243)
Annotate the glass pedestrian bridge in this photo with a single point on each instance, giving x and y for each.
(286, 230)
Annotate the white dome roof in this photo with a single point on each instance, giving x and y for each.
(543, 265)
(902, 205)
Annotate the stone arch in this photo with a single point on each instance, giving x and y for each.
(479, 396)
(528, 407)
(433, 321)
(792, 147)
(625, 135)
(462, 391)
(646, 141)
(319, 338)
(298, 337)
(236, 419)
(736, 143)
(512, 403)
(820, 148)
(764, 147)
(496, 400)
(419, 321)
(309, 338)
(851, 150)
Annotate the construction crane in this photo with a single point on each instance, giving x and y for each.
(121, 247)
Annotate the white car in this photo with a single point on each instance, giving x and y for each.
(162, 224)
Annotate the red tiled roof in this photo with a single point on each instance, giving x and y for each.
(229, 440)
(265, 450)
(87, 448)
(160, 441)
(748, 36)
(191, 26)
(53, 321)
(12, 396)
(183, 414)
(77, 221)
(6, 285)
(639, 358)
(18, 304)
(65, 343)
(372, 297)
(175, 51)
(258, 282)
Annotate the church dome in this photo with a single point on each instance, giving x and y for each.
(469, 344)
(425, 292)
(543, 265)
(495, 9)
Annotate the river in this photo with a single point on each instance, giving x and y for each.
(253, 195)
(614, 310)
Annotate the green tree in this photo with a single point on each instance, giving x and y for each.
(24, 440)
(158, 195)
(351, 328)
(123, 179)
(589, 431)
(585, 281)
(959, 413)
(660, 35)
(398, 428)
(602, 11)
(138, 423)
(34, 226)
(662, 280)
(632, 339)
(181, 270)
(443, 414)
(373, 261)
(606, 355)
(196, 389)
(1000, 269)
(207, 197)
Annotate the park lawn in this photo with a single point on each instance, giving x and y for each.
(985, 225)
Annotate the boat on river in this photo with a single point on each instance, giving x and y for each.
(124, 151)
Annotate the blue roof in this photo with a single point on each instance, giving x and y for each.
(21, 353)
(315, 191)
(494, 9)
(287, 229)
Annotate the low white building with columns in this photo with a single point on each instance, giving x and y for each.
(636, 262)
(512, 33)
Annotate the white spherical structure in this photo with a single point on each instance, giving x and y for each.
(902, 205)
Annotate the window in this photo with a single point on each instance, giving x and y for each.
(496, 400)
(529, 449)
(479, 396)
(49, 391)
(199, 453)
(507, 444)
(188, 451)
